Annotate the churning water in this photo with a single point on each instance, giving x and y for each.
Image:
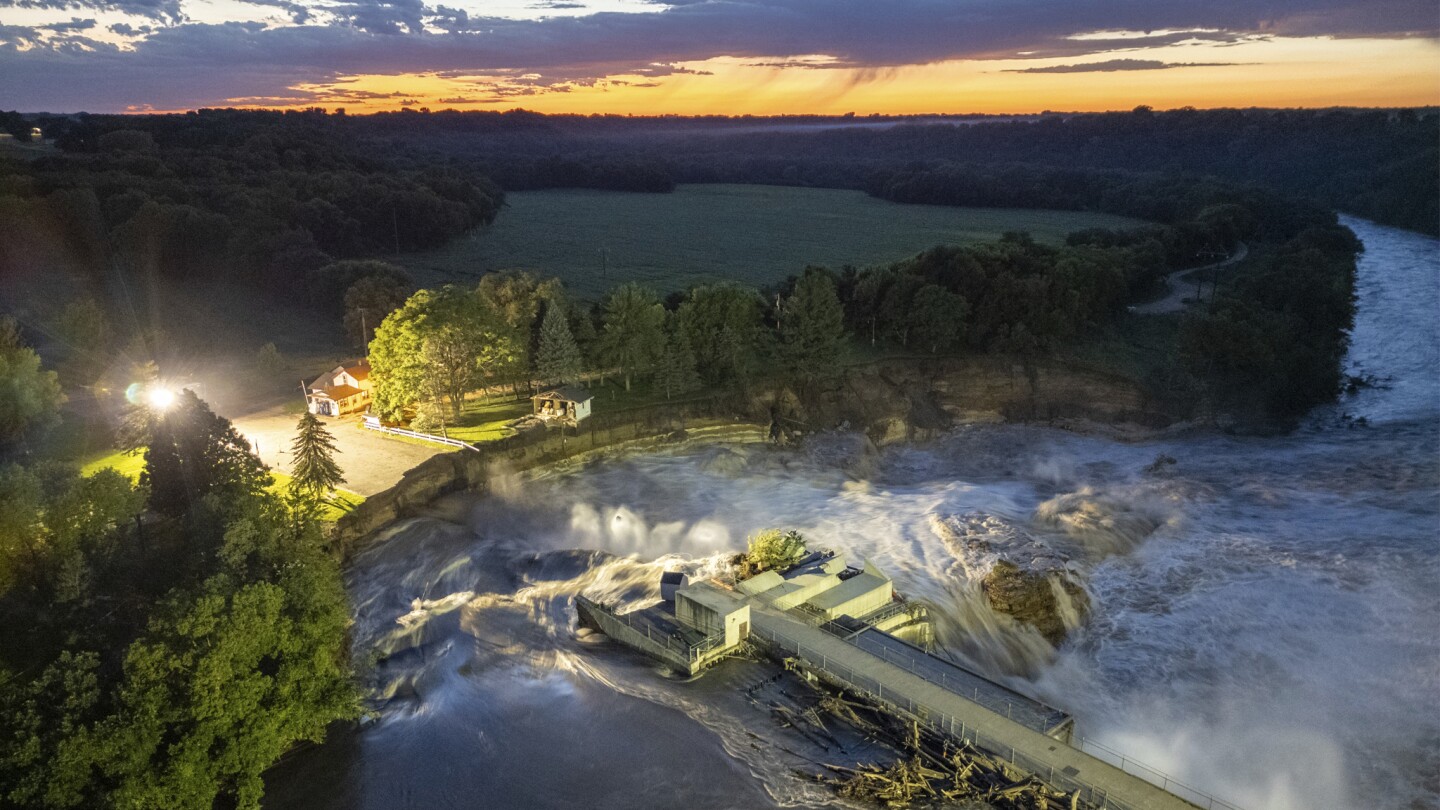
(1264, 624)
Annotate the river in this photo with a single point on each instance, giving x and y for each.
(1268, 634)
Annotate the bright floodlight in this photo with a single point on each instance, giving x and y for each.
(161, 398)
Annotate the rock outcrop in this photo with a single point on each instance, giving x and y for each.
(904, 400)
(1105, 523)
(1019, 575)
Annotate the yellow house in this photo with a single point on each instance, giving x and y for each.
(343, 390)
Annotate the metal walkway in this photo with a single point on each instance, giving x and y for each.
(942, 706)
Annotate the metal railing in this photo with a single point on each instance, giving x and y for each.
(965, 686)
(956, 728)
(692, 652)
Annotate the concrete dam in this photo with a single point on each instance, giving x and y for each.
(845, 627)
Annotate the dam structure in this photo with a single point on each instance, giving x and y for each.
(846, 627)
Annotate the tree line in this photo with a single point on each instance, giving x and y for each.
(268, 200)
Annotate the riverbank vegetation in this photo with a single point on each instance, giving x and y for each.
(1266, 346)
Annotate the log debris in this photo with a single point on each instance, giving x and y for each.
(933, 769)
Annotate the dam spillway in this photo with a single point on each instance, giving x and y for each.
(704, 622)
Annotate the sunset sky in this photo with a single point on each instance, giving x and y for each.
(717, 56)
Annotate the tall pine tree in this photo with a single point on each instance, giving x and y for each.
(676, 373)
(558, 358)
(633, 331)
(315, 473)
(812, 325)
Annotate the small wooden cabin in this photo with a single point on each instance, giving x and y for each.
(567, 405)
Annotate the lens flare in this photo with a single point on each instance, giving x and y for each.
(160, 398)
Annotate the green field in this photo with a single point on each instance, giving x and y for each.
(756, 234)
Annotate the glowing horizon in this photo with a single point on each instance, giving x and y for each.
(705, 57)
(1294, 76)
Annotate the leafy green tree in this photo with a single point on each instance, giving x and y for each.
(812, 326)
(514, 299)
(84, 331)
(30, 396)
(439, 343)
(369, 300)
(587, 338)
(192, 453)
(676, 373)
(314, 473)
(20, 522)
(895, 306)
(50, 753)
(558, 358)
(269, 360)
(773, 549)
(722, 322)
(633, 329)
(225, 676)
(329, 286)
(938, 316)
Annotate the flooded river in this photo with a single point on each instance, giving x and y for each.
(1264, 610)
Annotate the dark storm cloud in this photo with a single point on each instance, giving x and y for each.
(1113, 65)
(299, 13)
(162, 10)
(75, 24)
(128, 30)
(190, 65)
(382, 16)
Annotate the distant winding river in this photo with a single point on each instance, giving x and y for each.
(1276, 641)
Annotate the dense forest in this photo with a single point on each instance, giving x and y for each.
(1379, 164)
(262, 201)
(274, 198)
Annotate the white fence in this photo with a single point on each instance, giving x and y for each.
(424, 437)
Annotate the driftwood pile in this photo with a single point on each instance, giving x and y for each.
(932, 771)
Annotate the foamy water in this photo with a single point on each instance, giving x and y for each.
(1263, 621)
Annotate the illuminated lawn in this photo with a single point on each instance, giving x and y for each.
(755, 234)
(127, 464)
(131, 464)
(482, 421)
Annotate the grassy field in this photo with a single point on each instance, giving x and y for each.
(755, 234)
(482, 421)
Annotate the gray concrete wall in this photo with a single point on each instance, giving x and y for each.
(598, 618)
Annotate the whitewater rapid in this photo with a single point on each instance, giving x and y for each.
(1263, 612)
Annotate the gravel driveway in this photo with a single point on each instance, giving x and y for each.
(371, 461)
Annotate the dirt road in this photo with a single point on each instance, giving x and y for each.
(1175, 300)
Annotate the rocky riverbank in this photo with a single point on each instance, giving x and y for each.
(889, 402)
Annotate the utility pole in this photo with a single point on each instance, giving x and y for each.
(395, 224)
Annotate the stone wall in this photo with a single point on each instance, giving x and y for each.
(460, 470)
